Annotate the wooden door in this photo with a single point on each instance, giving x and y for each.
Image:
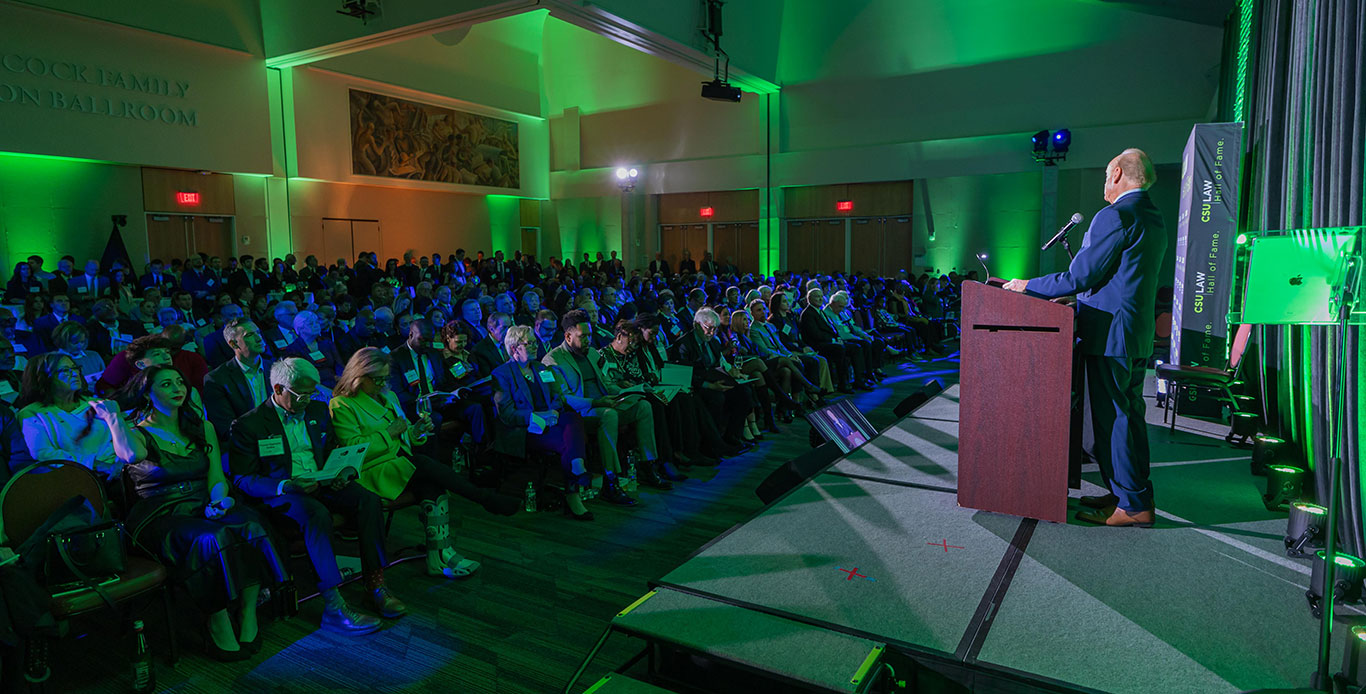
(166, 237)
(725, 242)
(801, 245)
(212, 235)
(531, 238)
(897, 249)
(747, 253)
(365, 237)
(336, 242)
(866, 238)
(830, 246)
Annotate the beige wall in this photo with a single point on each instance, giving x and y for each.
(62, 76)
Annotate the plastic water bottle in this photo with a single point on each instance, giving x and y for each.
(530, 497)
(631, 472)
(144, 677)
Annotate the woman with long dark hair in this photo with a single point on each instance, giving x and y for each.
(218, 550)
(22, 283)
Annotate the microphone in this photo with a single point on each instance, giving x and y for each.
(982, 258)
(1075, 220)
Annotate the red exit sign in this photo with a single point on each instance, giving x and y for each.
(844, 206)
(184, 198)
(706, 212)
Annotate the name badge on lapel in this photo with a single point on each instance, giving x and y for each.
(458, 369)
(411, 377)
(316, 356)
(274, 445)
(281, 343)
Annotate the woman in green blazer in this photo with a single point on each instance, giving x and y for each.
(364, 410)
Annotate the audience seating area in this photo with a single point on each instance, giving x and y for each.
(456, 371)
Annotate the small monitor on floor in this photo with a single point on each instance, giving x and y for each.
(843, 423)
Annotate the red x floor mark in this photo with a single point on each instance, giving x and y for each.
(945, 544)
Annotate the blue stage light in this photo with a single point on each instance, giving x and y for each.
(1062, 139)
(1040, 140)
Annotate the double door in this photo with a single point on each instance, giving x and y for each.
(171, 236)
(734, 242)
(875, 246)
(335, 239)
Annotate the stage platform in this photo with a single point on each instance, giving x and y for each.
(875, 551)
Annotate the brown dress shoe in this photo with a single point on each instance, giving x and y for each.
(1116, 517)
(1103, 501)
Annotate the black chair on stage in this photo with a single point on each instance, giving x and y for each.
(1183, 378)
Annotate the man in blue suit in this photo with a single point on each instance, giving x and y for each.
(1115, 276)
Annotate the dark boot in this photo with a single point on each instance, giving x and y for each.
(612, 493)
(648, 475)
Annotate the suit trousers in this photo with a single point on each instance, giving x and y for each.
(1115, 385)
(432, 479)
(838, 359)
(312, 513)
(612, 421)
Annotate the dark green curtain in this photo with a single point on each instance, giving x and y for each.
(1304, 105)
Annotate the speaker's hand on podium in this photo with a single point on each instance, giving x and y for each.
(1016, 285)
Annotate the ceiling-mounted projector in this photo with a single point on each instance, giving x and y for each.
(718, 90)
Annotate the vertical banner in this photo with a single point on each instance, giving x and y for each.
(1206, 228)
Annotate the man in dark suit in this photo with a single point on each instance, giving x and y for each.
(217, 351)
(88, 285)
(291, 434)
(241, 383)
(246, 275)
(61, 313)
(659, 266)
(417, 369)
(822, 335)
(1114, 277)
(157, 277)
(489, 352)
(110, 334)
(714, 380)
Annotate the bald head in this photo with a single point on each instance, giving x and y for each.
(1131, 169)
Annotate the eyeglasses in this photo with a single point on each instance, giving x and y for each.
(301, 396)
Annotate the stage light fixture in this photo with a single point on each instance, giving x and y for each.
(1242, 239)
(1347, 575)
(1243, 427)
(1040, 140)
(1284, 484)
(1353, 663)
(1062, 140)
(1304, 528)
(1268, 450)
(626, 178)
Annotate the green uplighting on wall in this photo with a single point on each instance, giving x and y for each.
(48, 157)
(1245, 11)
(504, 234)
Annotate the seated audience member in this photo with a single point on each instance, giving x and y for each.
(620, 369)
(218, 551)
(35, 307)
(819, 331)
(281, 335)
(417, 370)
(11, 372)
(308, 344)
(141, 353)
(836, 309)
(691, 424)
(216, 349)
(714, 380)
(22, 283)
(88, 285)
(61, 421)
(490, 352)
(531, 305)
(110, 334)
(532, 416)
(190, 364)
(604, 409)
(546, 329)
(157, 277)
(272, 447)
(472, 317)
(72, 339)
(24, 343)
(240, 384)
(470, 412)
(770, 346)
(61, 313)
(365, 410)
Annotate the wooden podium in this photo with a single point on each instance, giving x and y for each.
(1014, 420)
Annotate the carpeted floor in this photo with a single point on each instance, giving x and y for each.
(1204, 602)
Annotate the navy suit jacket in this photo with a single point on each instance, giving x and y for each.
(1115, 277)
(227, 395)
(260, 476)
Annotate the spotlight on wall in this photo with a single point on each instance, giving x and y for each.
(1347, 577)
(1303, 529)
(1284, 483)
(1058, 142)
(626, 178)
